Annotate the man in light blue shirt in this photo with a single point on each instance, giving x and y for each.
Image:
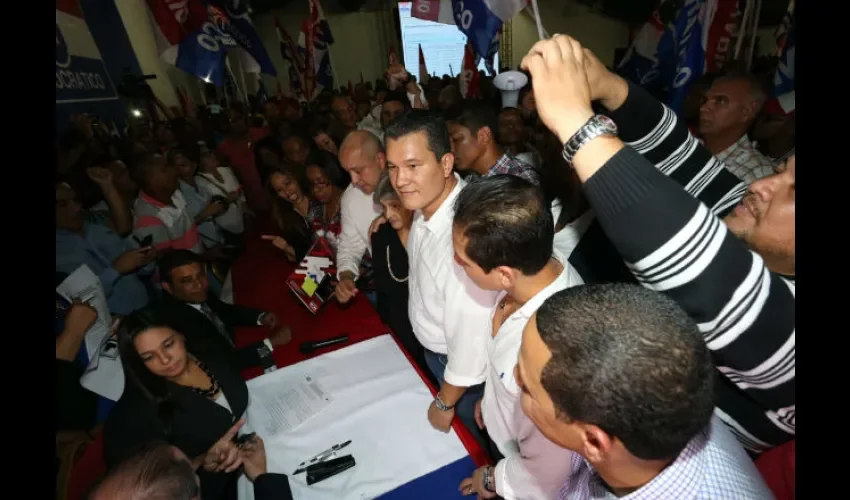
(118, 262)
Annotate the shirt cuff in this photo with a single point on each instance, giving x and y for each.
(500, 478)
(459, 380)
(341, 270)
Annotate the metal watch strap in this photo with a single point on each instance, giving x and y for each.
(595, 126)
(489, 479)
(441, 405)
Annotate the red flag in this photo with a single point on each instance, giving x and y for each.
(469, 82)
(423, 70)
(724, 25)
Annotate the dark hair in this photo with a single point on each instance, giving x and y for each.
(507, 222)
(154, 388)
(139, 165)
(272, 145)
(329, 164)
(283, 213)
(474, 115)
(170, 157)
(397, 96)
(630, 361)
(174, 259)
(420, 120)
(154, 473)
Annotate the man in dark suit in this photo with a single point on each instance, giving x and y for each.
(204, 319)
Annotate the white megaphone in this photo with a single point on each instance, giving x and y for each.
(510, 83)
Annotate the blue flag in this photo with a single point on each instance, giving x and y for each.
(783, 81)
(686, 38)
(245, 34)
(481, 22)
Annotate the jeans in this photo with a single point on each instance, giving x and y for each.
(465, 407)
(373, 298)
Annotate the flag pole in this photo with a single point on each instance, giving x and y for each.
(242, 77)
(540, 31)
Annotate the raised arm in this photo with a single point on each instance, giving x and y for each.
(674, 244)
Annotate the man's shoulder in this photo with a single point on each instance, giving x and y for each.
(729, 472)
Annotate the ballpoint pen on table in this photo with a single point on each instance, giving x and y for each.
(321, 456)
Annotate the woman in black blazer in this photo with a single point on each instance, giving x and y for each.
(172, 395)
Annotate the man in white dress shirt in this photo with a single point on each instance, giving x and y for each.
(448, 312)
(362, 156)
(503, 233)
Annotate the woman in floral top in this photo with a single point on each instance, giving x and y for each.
(325, 219)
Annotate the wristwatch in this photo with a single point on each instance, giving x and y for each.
(260, 318)
(594, 127)
(488, 479)
(265, 351)
(441, 405)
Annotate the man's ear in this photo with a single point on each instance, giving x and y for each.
(382, 160)
(484, 136)
(447, 163)
(167, 287)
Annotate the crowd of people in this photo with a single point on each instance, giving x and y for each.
(601, 291)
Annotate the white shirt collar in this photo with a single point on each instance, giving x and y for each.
(443, 216)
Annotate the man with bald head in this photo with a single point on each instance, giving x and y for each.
(362, 156)
(731, 106)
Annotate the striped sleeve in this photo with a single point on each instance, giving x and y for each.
(674, 244)
(654, 131)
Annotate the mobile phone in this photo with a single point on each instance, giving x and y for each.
(144, 242)
(219, 199)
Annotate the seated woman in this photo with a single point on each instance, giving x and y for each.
(390, 269)
(187, 397)
(291, 207)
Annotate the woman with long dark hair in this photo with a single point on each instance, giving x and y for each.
(188, 396)
(291, 208)
(267, 156)
(325, 177)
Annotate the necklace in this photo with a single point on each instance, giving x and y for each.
(392, 275)
(213, 389)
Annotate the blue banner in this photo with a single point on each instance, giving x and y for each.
(784, 80)
(690, 53)
(477, 22)
(324, 73)
(245, 33)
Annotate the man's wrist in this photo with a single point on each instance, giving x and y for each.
(442, 405)
(346, 275)
(488, 479)
(617, 93)
(572, 123)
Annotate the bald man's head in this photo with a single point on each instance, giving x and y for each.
(362, 156)
(158, 472)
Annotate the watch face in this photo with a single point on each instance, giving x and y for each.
(607, 124)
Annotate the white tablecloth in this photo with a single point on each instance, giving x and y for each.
(380, 403)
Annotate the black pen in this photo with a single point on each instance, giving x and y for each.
(321, 456)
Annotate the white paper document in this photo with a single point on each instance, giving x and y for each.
(284, 405)
(84, 285)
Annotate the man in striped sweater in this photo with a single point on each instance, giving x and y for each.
(740, 290)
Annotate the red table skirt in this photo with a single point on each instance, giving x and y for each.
(259, 280)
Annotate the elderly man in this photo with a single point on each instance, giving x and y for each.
(731, 106)
(362, 156)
